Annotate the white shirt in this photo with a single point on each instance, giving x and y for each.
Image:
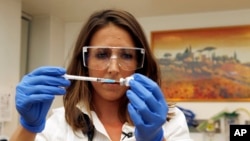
(57, 129)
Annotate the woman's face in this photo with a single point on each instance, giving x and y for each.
(111, 36)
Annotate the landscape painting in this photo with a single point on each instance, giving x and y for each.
(204, 64)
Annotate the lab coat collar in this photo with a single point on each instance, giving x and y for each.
(126, 128)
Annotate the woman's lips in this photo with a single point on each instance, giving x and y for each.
(115, 83)
(112, 82)
(112, 85)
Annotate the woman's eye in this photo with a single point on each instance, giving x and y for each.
(127, 56)
(102, 55)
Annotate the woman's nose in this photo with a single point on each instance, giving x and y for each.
(113, 64)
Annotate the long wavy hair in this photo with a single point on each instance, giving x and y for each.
(81, 91)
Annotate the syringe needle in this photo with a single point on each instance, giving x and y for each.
(85, 78)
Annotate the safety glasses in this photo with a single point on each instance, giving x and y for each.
(100, 58)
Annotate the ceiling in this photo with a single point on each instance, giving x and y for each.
(78, 10)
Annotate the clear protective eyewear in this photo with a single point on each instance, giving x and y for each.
(100, 57)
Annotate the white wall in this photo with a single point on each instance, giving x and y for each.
(71, 32)
(39, 42)
(10, 30)
(47, 41)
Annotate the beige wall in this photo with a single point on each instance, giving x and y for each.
(10, 30)
(47, 42)
(46, 48)
(47, 45)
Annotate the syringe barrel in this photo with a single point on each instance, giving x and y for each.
(125, 81)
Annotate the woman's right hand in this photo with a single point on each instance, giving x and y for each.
(35, 94)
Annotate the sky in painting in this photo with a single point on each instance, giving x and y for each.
(226, 40)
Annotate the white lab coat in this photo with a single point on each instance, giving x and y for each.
(57, 129)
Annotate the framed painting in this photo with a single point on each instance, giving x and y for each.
(205, 64)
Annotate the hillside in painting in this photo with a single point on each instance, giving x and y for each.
(190, 76)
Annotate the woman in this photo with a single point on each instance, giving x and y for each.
(110, 45)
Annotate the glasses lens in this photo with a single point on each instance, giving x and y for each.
(99, 58)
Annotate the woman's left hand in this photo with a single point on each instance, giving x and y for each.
(147, 108)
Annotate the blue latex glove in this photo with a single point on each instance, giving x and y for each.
(35, 93)
(147, 108)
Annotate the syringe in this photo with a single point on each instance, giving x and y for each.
(125, 81)
(122, 81)
(86, 78)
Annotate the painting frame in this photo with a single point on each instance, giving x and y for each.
(204, 64)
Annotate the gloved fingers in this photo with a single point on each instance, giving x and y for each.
(148, 125)
(45, 80)
(150, 85)
(135, 117)
(34, 112)
(48, 70)
(152, 103)
(40, 89)
(27, 100)
(26, 105)
(35, 98)
(141, 108)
